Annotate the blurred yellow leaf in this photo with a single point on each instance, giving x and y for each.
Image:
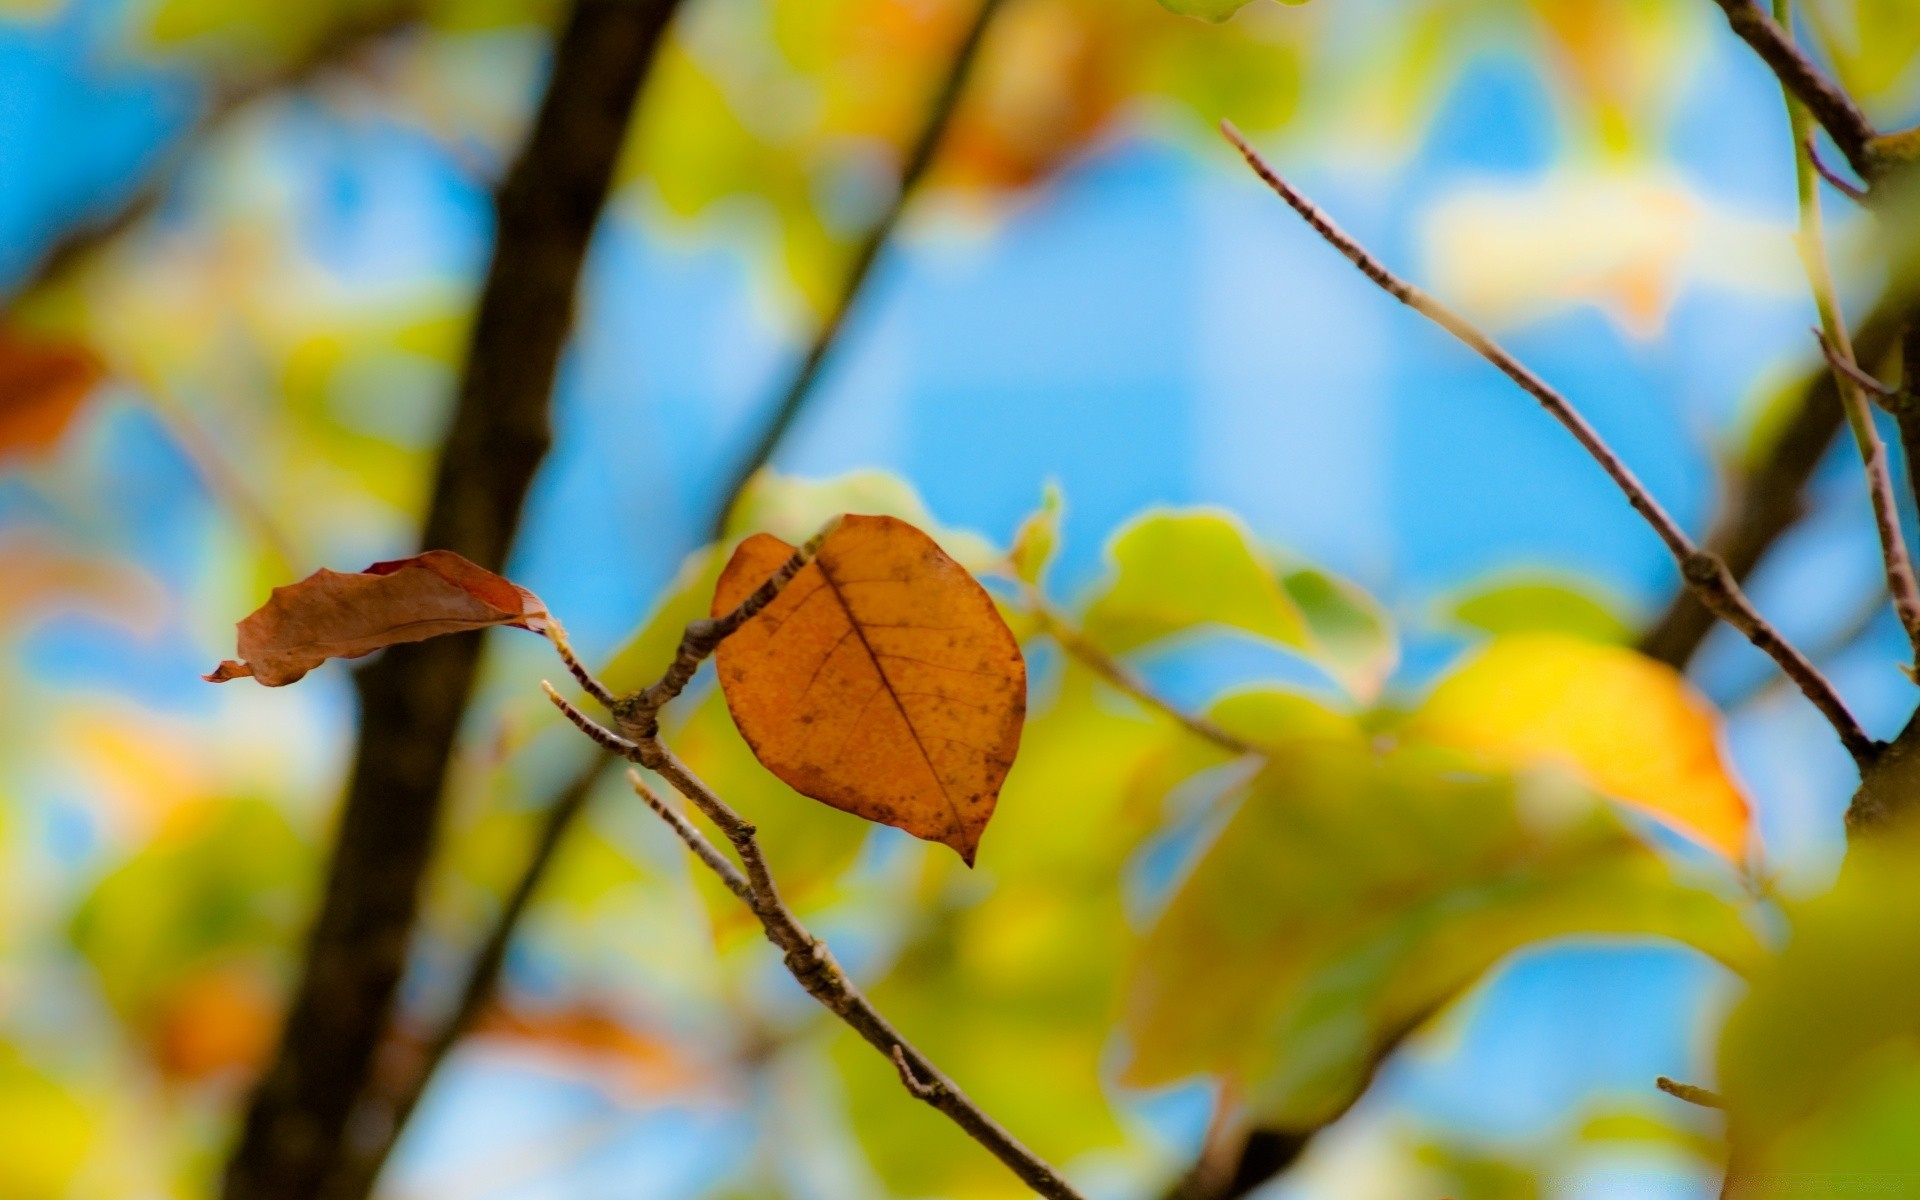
(46, 1132)
(1356, 893)
(1627, 725)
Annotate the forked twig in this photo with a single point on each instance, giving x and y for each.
(807, 957)
(1836, 111)
(1841, 184)
(1846, 365)
(1837, 344)
(1704, 572)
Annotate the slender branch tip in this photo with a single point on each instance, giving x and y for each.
(1690, 1093)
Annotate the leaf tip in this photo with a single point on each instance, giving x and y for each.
(228, 670)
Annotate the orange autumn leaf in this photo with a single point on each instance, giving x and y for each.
(881, 681)
(334, 615)
(1631, 727)
(42, 384)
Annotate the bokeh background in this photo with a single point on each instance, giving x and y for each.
(1089, 291)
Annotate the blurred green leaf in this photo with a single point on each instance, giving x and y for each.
(1207, 10)
(1176, 571)
(1038, 539)
(1470, 1172)
(228, 884)
(1351, 632)
(1820, 1063)
(1540, 604)
(1356, 893)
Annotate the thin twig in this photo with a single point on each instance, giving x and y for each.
(1845, 365)
(1125, 678)
(813, 966)
(696, 841)
(1848, 634)
(557, 634)
(1704, 572)
(807, 957)
(1843, 120)
(1688, 1092)
(222, 479)
(919, 158)
(1837, 344)
(1765, 498)
(1841, 184)
(638, 714)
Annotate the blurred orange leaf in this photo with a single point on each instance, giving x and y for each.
(596, 1037)
(1631, 727)
(217, 1020)
(882, 681)
(333, 615)
(42, 384)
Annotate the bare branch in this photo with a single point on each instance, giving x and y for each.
(1689, 1093)
(919, 158)
(1705, 573)
(1849, 633)
(1843, 120)
(696, 841)
(389, 1112)
(813, 966)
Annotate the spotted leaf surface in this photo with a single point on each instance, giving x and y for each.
(881, 681)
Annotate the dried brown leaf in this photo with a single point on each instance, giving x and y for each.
(334, 615)
(881, 681)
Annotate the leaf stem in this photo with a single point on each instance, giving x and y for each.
(1704, 572)
(1126, 679)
